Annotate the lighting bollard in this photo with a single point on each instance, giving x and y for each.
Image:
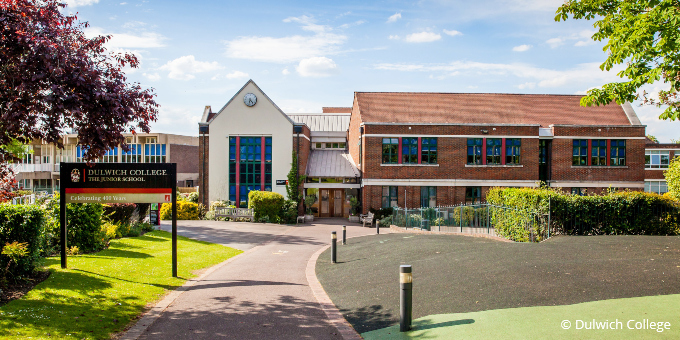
(344, 234)
(377, 227)
(405, 298)
(334, 239)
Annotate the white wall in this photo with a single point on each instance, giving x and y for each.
(262, 119)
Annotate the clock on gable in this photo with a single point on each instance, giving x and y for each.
(250, 99)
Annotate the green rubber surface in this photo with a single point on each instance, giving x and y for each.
(612, 317)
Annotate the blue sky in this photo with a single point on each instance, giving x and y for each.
(309, 54)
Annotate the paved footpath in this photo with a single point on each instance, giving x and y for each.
(261, 294)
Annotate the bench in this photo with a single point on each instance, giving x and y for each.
(235, 213)
(300, 218)
(366, 218)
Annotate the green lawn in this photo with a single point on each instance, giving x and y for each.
(102, 293)
(546, 322)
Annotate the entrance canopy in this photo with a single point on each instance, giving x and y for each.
(331, 163)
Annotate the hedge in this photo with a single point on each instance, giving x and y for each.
(84, 226)
(22, 223)
(616, 213)
(119, 212)
(266, 205)
(185, 211)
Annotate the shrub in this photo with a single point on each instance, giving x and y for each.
(672, 176)
(623, 213)
(119, 212)
(265, 203)
(289, 212)
(379, 214)
(192, 197)
(84, 225)
(185, 211)
(385, 222)
(14, 252)
(111, 231)
(309, 201)
(22, 224)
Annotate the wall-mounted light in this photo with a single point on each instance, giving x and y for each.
(485, 131)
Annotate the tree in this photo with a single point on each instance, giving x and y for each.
(672, 176)
(294, 184)
(642, 34)
(653, 138)
(54, 78)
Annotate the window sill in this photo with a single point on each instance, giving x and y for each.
(599, 167)
(656, 168)
(494, 165)
(409, 164)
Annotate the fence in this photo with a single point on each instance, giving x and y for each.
(515, 224)
(27, 199)
(186, 190)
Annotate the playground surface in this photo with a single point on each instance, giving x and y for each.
(526, 289)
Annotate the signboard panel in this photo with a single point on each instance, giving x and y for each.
(281, 182)
(118, 183)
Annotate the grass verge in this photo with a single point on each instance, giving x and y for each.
(546, 322)
(100, 294)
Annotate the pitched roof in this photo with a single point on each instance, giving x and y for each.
(331, 163)
(329, 109)
(485, 108)
(322, 121)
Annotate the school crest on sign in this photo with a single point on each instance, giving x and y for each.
(75, 176)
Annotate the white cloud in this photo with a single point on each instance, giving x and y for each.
(184, 68)
(555, 42)
(236, 75)
(452, 33)
(285, 72)
(152, 76)
(581, 75)
(127, 40)
(528, 85)
(356, 23)
(287, 49)
(76, 3)
(521, 48)
(317, 67)
(422, 37)
(394, 37)
(394, 17)
(582, 43)
(177, 120)
(123, 3)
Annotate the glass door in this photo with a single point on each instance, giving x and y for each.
(337, 202)
(324, 203)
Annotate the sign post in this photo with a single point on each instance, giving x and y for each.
(118, 183)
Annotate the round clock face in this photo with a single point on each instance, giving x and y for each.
(250, 99)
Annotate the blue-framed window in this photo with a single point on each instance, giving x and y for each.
(111, 156)
(474, 151)
(617, 152)
(493, 150)
(579, 152)
(598, 152)
(154, 153)
(409, 150)
(428, 152)
(513, 150)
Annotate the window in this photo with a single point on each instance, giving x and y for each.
(656, 159)
(493, 150)
(428, 153)
(27, 158)
(473, 195)
(318, 145)
(154, 153)
(134, 155)
(599, 152)
(151, 140)
(250, 167)
(618, 152)
(474, 151)
(80, 152)
(111, 156)
(232, 169)
(512, 150)
(428, 197)
(409, 150)
(580, 153)
(389, 150)
(389, 197)
(578, 191)
(268, 164)
(342, 145)
(659, 187)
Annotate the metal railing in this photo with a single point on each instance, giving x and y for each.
(484, 218)
(26, 199)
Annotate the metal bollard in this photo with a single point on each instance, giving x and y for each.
(405, 298)
(344, 234)
(377, 227)
(334, 239)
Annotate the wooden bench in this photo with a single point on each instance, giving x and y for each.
(300, 218)
(366, 218)
(235, 213)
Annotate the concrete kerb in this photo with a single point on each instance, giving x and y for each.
(154, 313)
(332, 312)
(396, 229)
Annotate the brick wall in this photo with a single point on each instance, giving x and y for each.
(446, 195)
(451, 154)
(203, 190)
(186, 157)
(303, 156)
